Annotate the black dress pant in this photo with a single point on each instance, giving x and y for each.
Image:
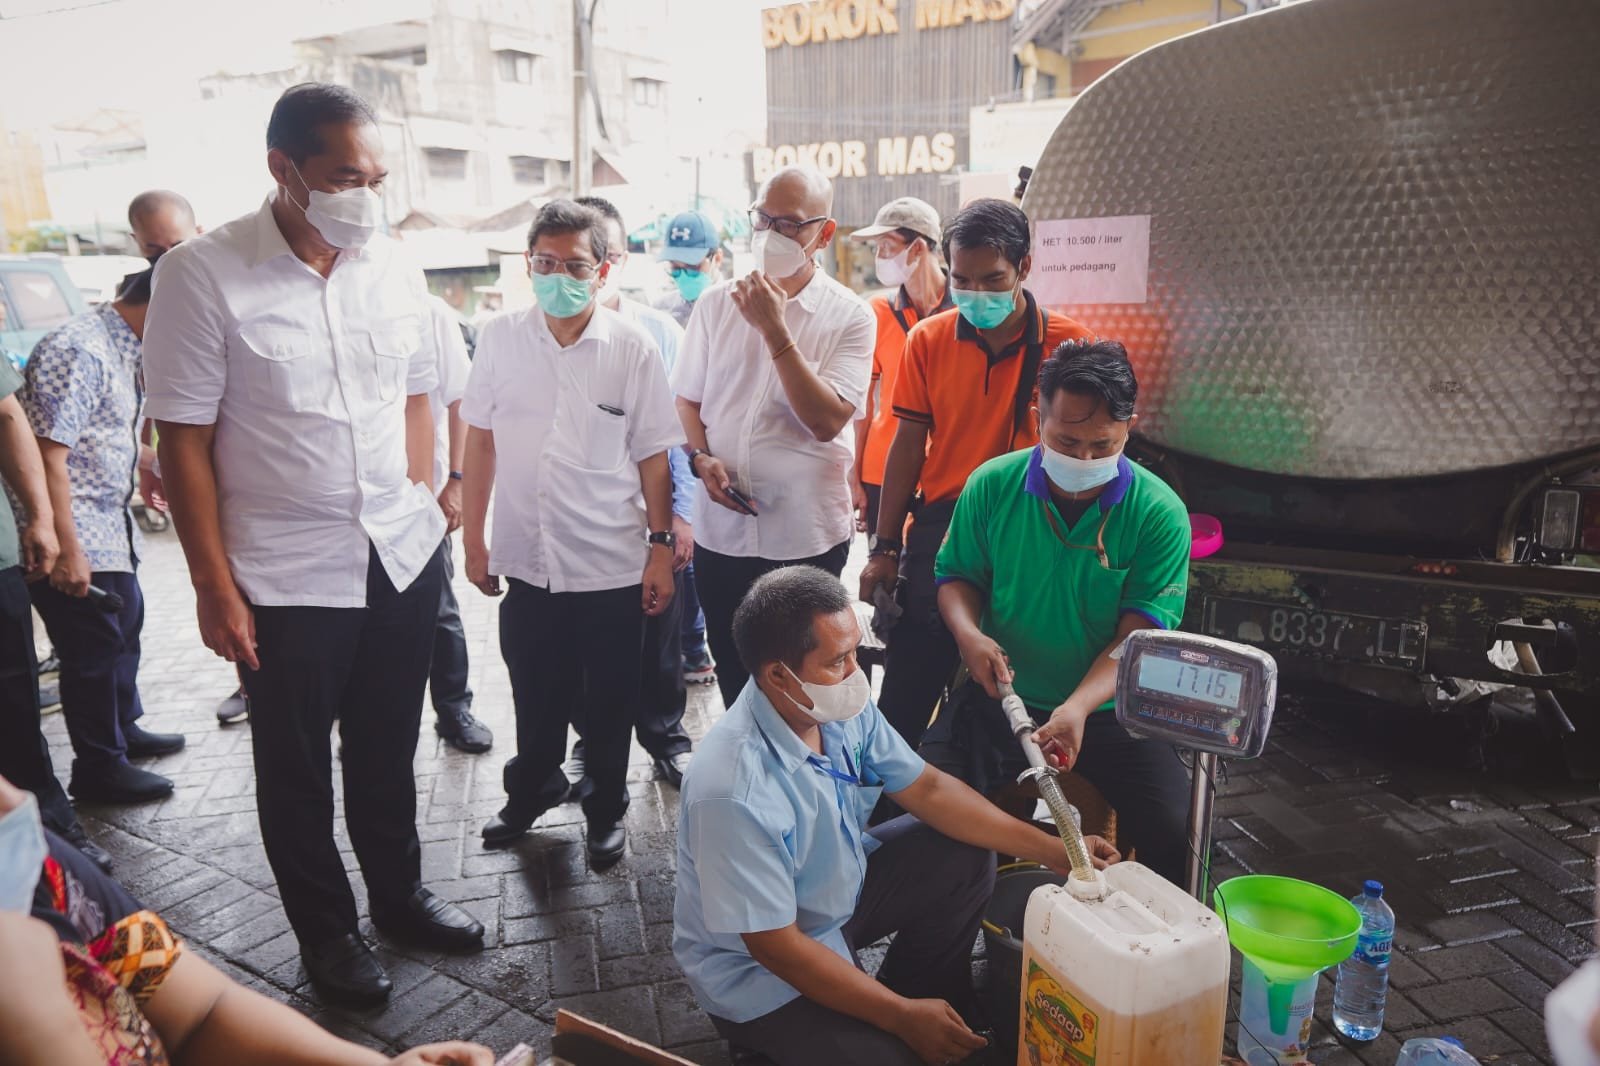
(99, 653)
(573, 657)
(447, 680)
(366, 667)
(920, 656)
(928, 890)
(662, 694)
(1143, 780)
(723, 580)
(24, 755)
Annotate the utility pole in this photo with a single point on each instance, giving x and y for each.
(581, 174)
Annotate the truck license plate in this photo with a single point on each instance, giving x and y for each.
(1318, 634)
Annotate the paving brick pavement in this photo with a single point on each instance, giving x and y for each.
(1491, 874)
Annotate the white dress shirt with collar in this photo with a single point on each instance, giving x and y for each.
(800, 485)
(305, 379)
(571, 426)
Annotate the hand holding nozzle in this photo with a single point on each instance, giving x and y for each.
(1085, 882)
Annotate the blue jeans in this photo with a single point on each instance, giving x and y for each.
(695, 652)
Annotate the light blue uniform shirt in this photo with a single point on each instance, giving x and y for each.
(771, 834)
(667, 334)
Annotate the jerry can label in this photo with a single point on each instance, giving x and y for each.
(1057, 1029)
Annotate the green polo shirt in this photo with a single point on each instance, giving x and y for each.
(10, 382)
(1054, 608)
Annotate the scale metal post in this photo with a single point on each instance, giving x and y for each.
(1213, 697)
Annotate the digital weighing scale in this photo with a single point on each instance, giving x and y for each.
(1213, 697)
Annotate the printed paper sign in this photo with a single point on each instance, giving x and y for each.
(1091, 260)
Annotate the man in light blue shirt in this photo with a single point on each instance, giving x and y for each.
(779, 879)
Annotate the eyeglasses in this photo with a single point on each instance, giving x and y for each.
(680, 271)
(760, 220)
(581, 269)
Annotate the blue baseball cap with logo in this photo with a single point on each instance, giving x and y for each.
(691, 236)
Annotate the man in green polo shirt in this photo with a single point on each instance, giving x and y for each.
(1056, 554)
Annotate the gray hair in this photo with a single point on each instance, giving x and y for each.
(560, 217)
(775, 619)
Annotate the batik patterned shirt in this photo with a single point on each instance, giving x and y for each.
(84, 390)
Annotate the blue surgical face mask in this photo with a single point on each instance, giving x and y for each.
(691, 284)
(1070, 474)
(561, 296)
(985, 310)
(22, 854)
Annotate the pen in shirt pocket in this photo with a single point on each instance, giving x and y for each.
(608, 409)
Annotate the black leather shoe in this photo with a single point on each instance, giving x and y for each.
(90, 850)
(606, 844)
(143, 744)
(673, 767)
(463, 732)
(236, 708)
(505, 829)
(431, 921)
(118, 783)
(346, 972)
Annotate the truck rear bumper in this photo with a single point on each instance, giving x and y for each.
(1455, 617)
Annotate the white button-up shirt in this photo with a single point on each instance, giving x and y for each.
(571, 426)
(454, 366)
(305, 379)
(800, 485)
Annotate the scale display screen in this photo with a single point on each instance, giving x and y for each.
(1196, 691)
(1209, 684)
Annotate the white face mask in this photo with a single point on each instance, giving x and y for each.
(345, 219)
(1071, 474)
(835, 703)
(22, 854)
(894, 272)
(1569, 1016)
(777, 256)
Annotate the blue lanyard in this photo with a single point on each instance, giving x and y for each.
(850, 779)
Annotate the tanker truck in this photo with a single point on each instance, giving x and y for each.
(1353, 248)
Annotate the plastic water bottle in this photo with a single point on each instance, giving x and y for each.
(1431, 1051)
(1363, 983)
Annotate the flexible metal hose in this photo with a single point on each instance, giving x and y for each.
(1068, 823)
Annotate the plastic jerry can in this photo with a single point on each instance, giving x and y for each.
(1138, 977)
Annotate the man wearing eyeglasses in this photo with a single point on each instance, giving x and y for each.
(1054, 556)
(773, 374)
(692, 255)
(576, 399)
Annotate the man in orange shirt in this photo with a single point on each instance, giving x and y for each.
(966, 386)
(905, 240)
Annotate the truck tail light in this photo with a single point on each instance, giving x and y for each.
(1569, 519)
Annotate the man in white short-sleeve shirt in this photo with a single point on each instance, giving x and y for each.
(773, 374)
(575, 397)
(288, 363)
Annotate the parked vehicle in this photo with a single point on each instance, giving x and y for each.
(36, 296)
(1369, 339)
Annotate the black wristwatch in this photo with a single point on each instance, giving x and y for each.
(455, 475)
(668, 539)
(877, 545)
(695, 453)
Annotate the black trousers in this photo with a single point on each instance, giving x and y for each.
(447, 680)
(24, 755)
(99, 653)
(662, 693)
(930, 892)
(573, 657)
(723, 580)
(874, 498)
(365, 667)
(921, 655)
(1143, 780)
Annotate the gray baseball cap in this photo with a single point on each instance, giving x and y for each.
(907, 212)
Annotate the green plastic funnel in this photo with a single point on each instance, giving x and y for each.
(1289, 929)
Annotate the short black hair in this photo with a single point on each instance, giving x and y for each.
(148, 203)
(135, 288)
(1091, 368)
(304, 109)
(775, 620)
(560, 217)
(911, 236)
(605, 208)
(990, 223)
